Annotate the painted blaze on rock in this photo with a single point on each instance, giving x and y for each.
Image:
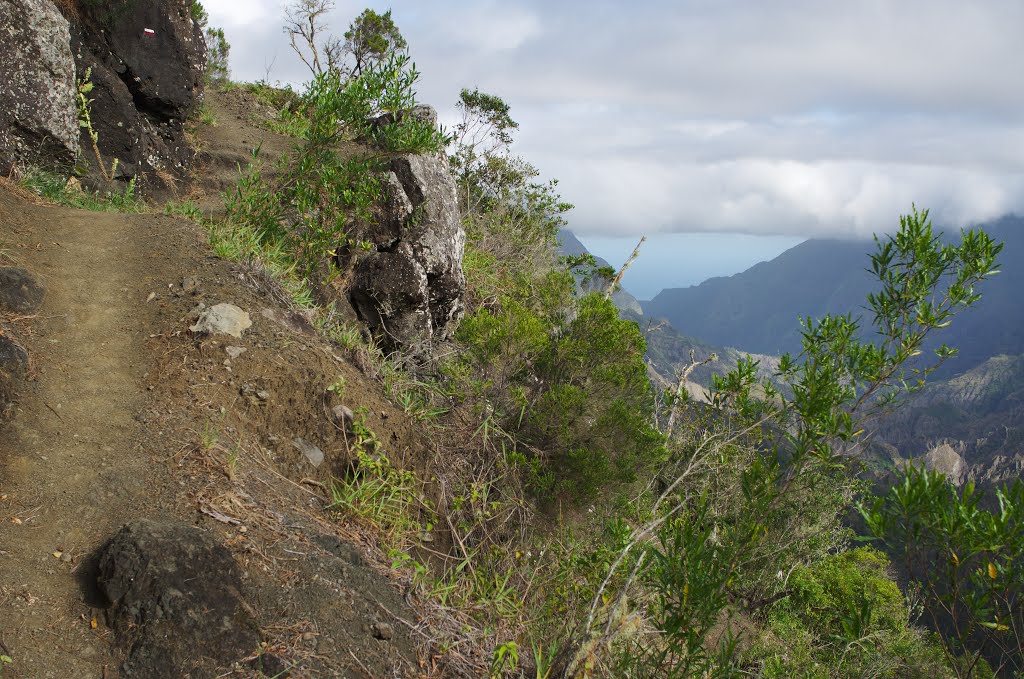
(146, 85)
(411, 289)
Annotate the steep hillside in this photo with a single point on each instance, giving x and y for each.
(757, 310)
(970, 427)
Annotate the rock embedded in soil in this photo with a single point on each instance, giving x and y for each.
(20, 292)
(382, 631)
(176, 604)
(13, 358)
(314, 455)
(13, 366)
(343, 416)
(222, 319)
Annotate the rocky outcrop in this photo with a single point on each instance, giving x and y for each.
(176, 607)
(38, 122)
(146, 59)
(944, 459)
(410, 290)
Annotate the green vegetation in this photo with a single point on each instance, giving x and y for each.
(609, 528)
(967, 561)
(371, 39)
(217, 47)
(310, 212)
(85, 122)
(64, 191)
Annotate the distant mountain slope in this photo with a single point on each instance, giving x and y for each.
(571, 246)
(973, 423)
(757, 310)
(668, 350)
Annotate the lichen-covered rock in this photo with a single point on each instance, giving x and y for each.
(176, 606)
(38, 119)
(147, 59)
(410, 291)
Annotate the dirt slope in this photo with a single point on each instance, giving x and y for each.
(128, 415)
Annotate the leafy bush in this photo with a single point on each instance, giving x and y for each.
(968, 560)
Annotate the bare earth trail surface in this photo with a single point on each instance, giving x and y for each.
(127, 415)
(73, 470)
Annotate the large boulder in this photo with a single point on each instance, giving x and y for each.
(146, 59)
(38, 120)
(410, 290)
(176, 606)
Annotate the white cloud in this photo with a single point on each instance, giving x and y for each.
(793, 117)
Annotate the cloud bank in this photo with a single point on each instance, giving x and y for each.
(795, 117)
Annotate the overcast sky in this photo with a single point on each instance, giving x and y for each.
(767, 122)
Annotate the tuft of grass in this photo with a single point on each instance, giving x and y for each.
(375, 492)
(185, 208)
(290, 117)
(206, 116)
(62, 191)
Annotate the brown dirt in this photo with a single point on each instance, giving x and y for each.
(128, 415)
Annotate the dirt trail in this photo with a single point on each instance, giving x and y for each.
(126, 415)
(76, 471)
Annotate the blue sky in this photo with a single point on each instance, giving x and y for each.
(756, 124)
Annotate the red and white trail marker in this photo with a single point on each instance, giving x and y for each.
(149, 32)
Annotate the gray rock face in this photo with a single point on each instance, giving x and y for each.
(38, 121)
(146, 84)
(945, 460)
(222, 319)
(19, 290)
(176, 607)
(410, 291)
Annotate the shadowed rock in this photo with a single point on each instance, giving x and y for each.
(146, 83)
(19, 290)
(176, 607)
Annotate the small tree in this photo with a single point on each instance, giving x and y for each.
(372, 38)
(304, 24)
(217, 50)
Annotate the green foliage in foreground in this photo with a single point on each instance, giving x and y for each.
(967, 560)
(845, 615)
